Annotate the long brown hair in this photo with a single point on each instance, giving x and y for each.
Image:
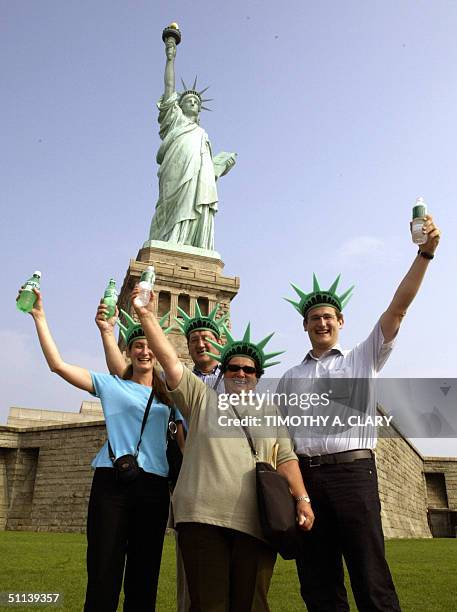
(158, 384)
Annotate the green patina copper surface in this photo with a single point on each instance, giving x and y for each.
(188, 170)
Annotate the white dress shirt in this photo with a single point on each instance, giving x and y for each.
(347, 376)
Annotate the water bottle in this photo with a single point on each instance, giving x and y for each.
(110, 298)
(419, 212)
(27, 298)
(146, 284)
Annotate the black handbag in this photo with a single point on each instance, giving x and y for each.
(174, 454)
(277, 507)
(126, 467)
(277, 511)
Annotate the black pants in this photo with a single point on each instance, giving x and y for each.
(227, 571)
(125, 526)
(346, 504)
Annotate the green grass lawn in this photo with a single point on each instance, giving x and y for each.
(424, 572)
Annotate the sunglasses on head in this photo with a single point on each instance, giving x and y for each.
(236, 368)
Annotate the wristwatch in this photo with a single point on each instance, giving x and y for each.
(304, 498)
(425, 255)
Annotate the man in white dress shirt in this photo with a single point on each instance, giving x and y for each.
(337, 463)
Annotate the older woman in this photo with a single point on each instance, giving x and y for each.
(214, 502)
(126, 521)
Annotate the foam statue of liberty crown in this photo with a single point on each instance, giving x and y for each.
(200, 321)
(244, 347)
(133, 330)
(320, 297)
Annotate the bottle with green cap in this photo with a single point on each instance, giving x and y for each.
(146, 285)
(110, 298)
(419, 212)
(27, 298)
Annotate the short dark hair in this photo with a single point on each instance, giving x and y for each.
(205, 329)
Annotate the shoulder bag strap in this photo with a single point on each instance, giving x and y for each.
(172, 427)
(143, 425)
(247, 434)
(145, 418)
(218, 380)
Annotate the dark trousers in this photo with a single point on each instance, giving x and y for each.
(125, 527)
(346, 504)
(227, 571)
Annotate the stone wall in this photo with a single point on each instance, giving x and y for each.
(402, 489)
(4, 496)
(45, 478)
(182, 279)
(35, 417)
(45, 475)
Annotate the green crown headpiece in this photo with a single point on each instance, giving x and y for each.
(133, 330)
(200, 322)
(193, 91)
(319, 297)
(244, 347)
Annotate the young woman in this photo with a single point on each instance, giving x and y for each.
(126, 521)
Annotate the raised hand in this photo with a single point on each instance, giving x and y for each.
(37, 310)
(433, 235)
(141, 310)
(104, 324)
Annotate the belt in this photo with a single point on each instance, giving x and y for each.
(334, 458)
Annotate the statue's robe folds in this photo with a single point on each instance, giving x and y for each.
(187, 186)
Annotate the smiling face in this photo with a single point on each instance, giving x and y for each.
(323, 325)
(198, 344)
(236, 379)
(190, 106)
(141, 356)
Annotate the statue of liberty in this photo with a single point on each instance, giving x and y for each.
(188, 171)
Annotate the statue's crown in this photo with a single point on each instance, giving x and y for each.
(320, 297)
(244, 347)
(193, 91)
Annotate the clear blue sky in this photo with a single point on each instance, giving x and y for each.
(342, 113)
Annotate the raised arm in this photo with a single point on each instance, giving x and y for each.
(76, 376)
(170, 52)
(113, 356)
(158, 342)
(409, 286)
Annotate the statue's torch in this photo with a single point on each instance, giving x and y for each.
(172, 31)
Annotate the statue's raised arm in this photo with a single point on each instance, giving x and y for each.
(187, 171)
(170, 52)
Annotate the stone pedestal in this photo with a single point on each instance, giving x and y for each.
(182, 277)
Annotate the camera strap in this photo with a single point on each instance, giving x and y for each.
(143, 425)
